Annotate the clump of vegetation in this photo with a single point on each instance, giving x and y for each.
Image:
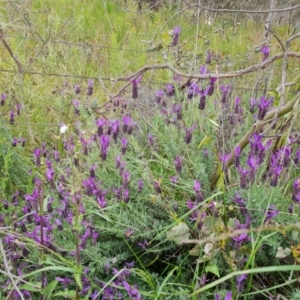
(160, 184)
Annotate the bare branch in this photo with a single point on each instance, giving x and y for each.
(258, 125)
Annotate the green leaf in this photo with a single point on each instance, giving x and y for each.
(179, 233)
(77, 277)
(48, 290)
(66, 293)
(30, 288)
(213, 269)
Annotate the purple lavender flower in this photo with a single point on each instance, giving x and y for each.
(135, 83)
(237, 160)
(144, 244)
(211, 86)
(95, 236)
(178, 164)
(203, 70)
(265, 50)
(237, 104)
(224, 158)
(37, 154)
(202, 102)
(270, 213)
(193, 90)
(127, 124)
(124, 145)
(90, 87)
(225, 91)
(188, 134)
(126, 177)
(104, 141)
(3, 97)
(150, 140)
(243, 177)
(100, 124)
(118, 161)
(158, 96)
(157, 187)
(170, 89)
(176, 32)
(101, 201)
(77, 89)
(66, 281)
(173, 180)
(126, 195)
(18, 107)
(263, 107)
(297, 157)
(197, 189)
(252, 105)
(208, 57)
(253, 163)
(92, 171)
(276, 172)
(239, 281)
(11, 117)
(115, 128)
(140, 185)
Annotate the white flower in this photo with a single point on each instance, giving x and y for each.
(63, 128)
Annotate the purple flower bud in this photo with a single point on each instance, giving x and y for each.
(252, 105)
(211, 86)
(18, 107)
(104, 141)
(90, 87)
(225, 91)
(11, 117)
(95, 236)
(126, 176)
(157, 187)
(37, 153)
(237, 160)
(140, 185)
(270, 213)
(203, 70)
(124, 145)
(118, 162)
(76, 106)
(178, 164)
(176, 32)
(3, 97)
(193, 90)
(150, 140)
(92, 171)
(135, 83)
(265, 51)
(59, 224)
(158, 96)
(77, 89)
(208, 57)
(188, 134)
(126, 195)
(173, 180)
(170, 89)
(100, 124)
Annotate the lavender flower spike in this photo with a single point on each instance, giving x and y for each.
(188, 134)
(104, 141)
(176, 32)
(135, 83)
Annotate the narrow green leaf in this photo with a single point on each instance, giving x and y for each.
(49, 289)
